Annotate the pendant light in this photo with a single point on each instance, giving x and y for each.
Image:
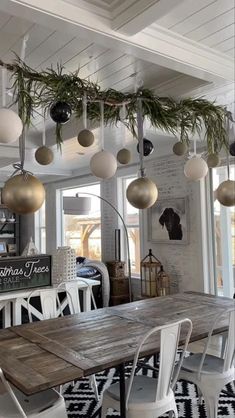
(103, 164)
(141, 193)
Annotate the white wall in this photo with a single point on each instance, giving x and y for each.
(183, 262)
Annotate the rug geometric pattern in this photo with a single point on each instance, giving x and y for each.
(81, 403)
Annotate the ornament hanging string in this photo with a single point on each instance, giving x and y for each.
(194, 147)
(102, 125)
(140, 126)
(122, 114)
(4, 76)
(227, 154)
(44, 132)
(84, 113)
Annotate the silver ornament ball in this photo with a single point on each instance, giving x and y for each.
(213, 160)
(103, 165)
(44, 155)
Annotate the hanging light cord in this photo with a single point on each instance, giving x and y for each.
(140, 126)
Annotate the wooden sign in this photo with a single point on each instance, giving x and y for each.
(18, 273)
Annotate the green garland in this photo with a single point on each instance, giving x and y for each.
(34, 90)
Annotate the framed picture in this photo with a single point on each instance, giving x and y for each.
(168, 221)
(11, 248)
(3, 247)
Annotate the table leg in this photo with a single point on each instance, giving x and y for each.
(122, 390)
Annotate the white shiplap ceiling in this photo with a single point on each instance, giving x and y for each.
(208, 23)
(205, 21)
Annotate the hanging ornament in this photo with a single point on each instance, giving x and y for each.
(10, 123)
(103, 164)
(213, 160)
(195, 168)
(23, 194)
(148, 147)
(124, 156)
(141, 193)
(226, 193)
(85, 137)
(232, 149)
(60, 112)
(44, 155)
(180, 148)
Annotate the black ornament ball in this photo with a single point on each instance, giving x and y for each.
(148, 147)
(60, 112)
(232, 149)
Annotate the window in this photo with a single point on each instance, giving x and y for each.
(224, 237)
(83, 232)
(40, 229)
(131, 218)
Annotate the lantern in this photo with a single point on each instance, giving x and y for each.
(163, 283)
(150, 266)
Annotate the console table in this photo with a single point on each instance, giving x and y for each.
(18, 299)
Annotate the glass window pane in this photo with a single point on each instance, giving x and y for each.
(134, 242)
(83, 232)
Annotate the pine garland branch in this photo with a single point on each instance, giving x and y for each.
(33, 90)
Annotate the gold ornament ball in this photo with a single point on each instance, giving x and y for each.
(142, 193)
(226, 193)
(44, 155)
(23, 195)
(180, 148)
(213, 160)
(85, 138)
(124, 156)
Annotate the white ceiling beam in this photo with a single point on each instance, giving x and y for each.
(158, 45)
(141, 14)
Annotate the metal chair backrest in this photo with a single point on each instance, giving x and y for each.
(49, 302)
(169, 340)
(230, 348)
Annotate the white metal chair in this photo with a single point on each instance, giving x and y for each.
(211, 373)
(71, 288)
(14, 404)
(149, 397)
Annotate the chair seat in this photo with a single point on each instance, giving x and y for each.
(32, 405)
(211, 365)
(143, 391)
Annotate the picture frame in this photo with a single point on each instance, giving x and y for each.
(3, 248)
(168, 221)
(11, 248)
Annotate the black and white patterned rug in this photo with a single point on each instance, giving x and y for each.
(81, 403)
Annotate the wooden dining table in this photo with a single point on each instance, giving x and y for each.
(45, 354)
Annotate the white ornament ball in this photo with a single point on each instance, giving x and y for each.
(195, 168)
(10, 126)
(142, 193)
(103, 165)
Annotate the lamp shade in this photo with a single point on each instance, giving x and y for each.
(76, 205)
